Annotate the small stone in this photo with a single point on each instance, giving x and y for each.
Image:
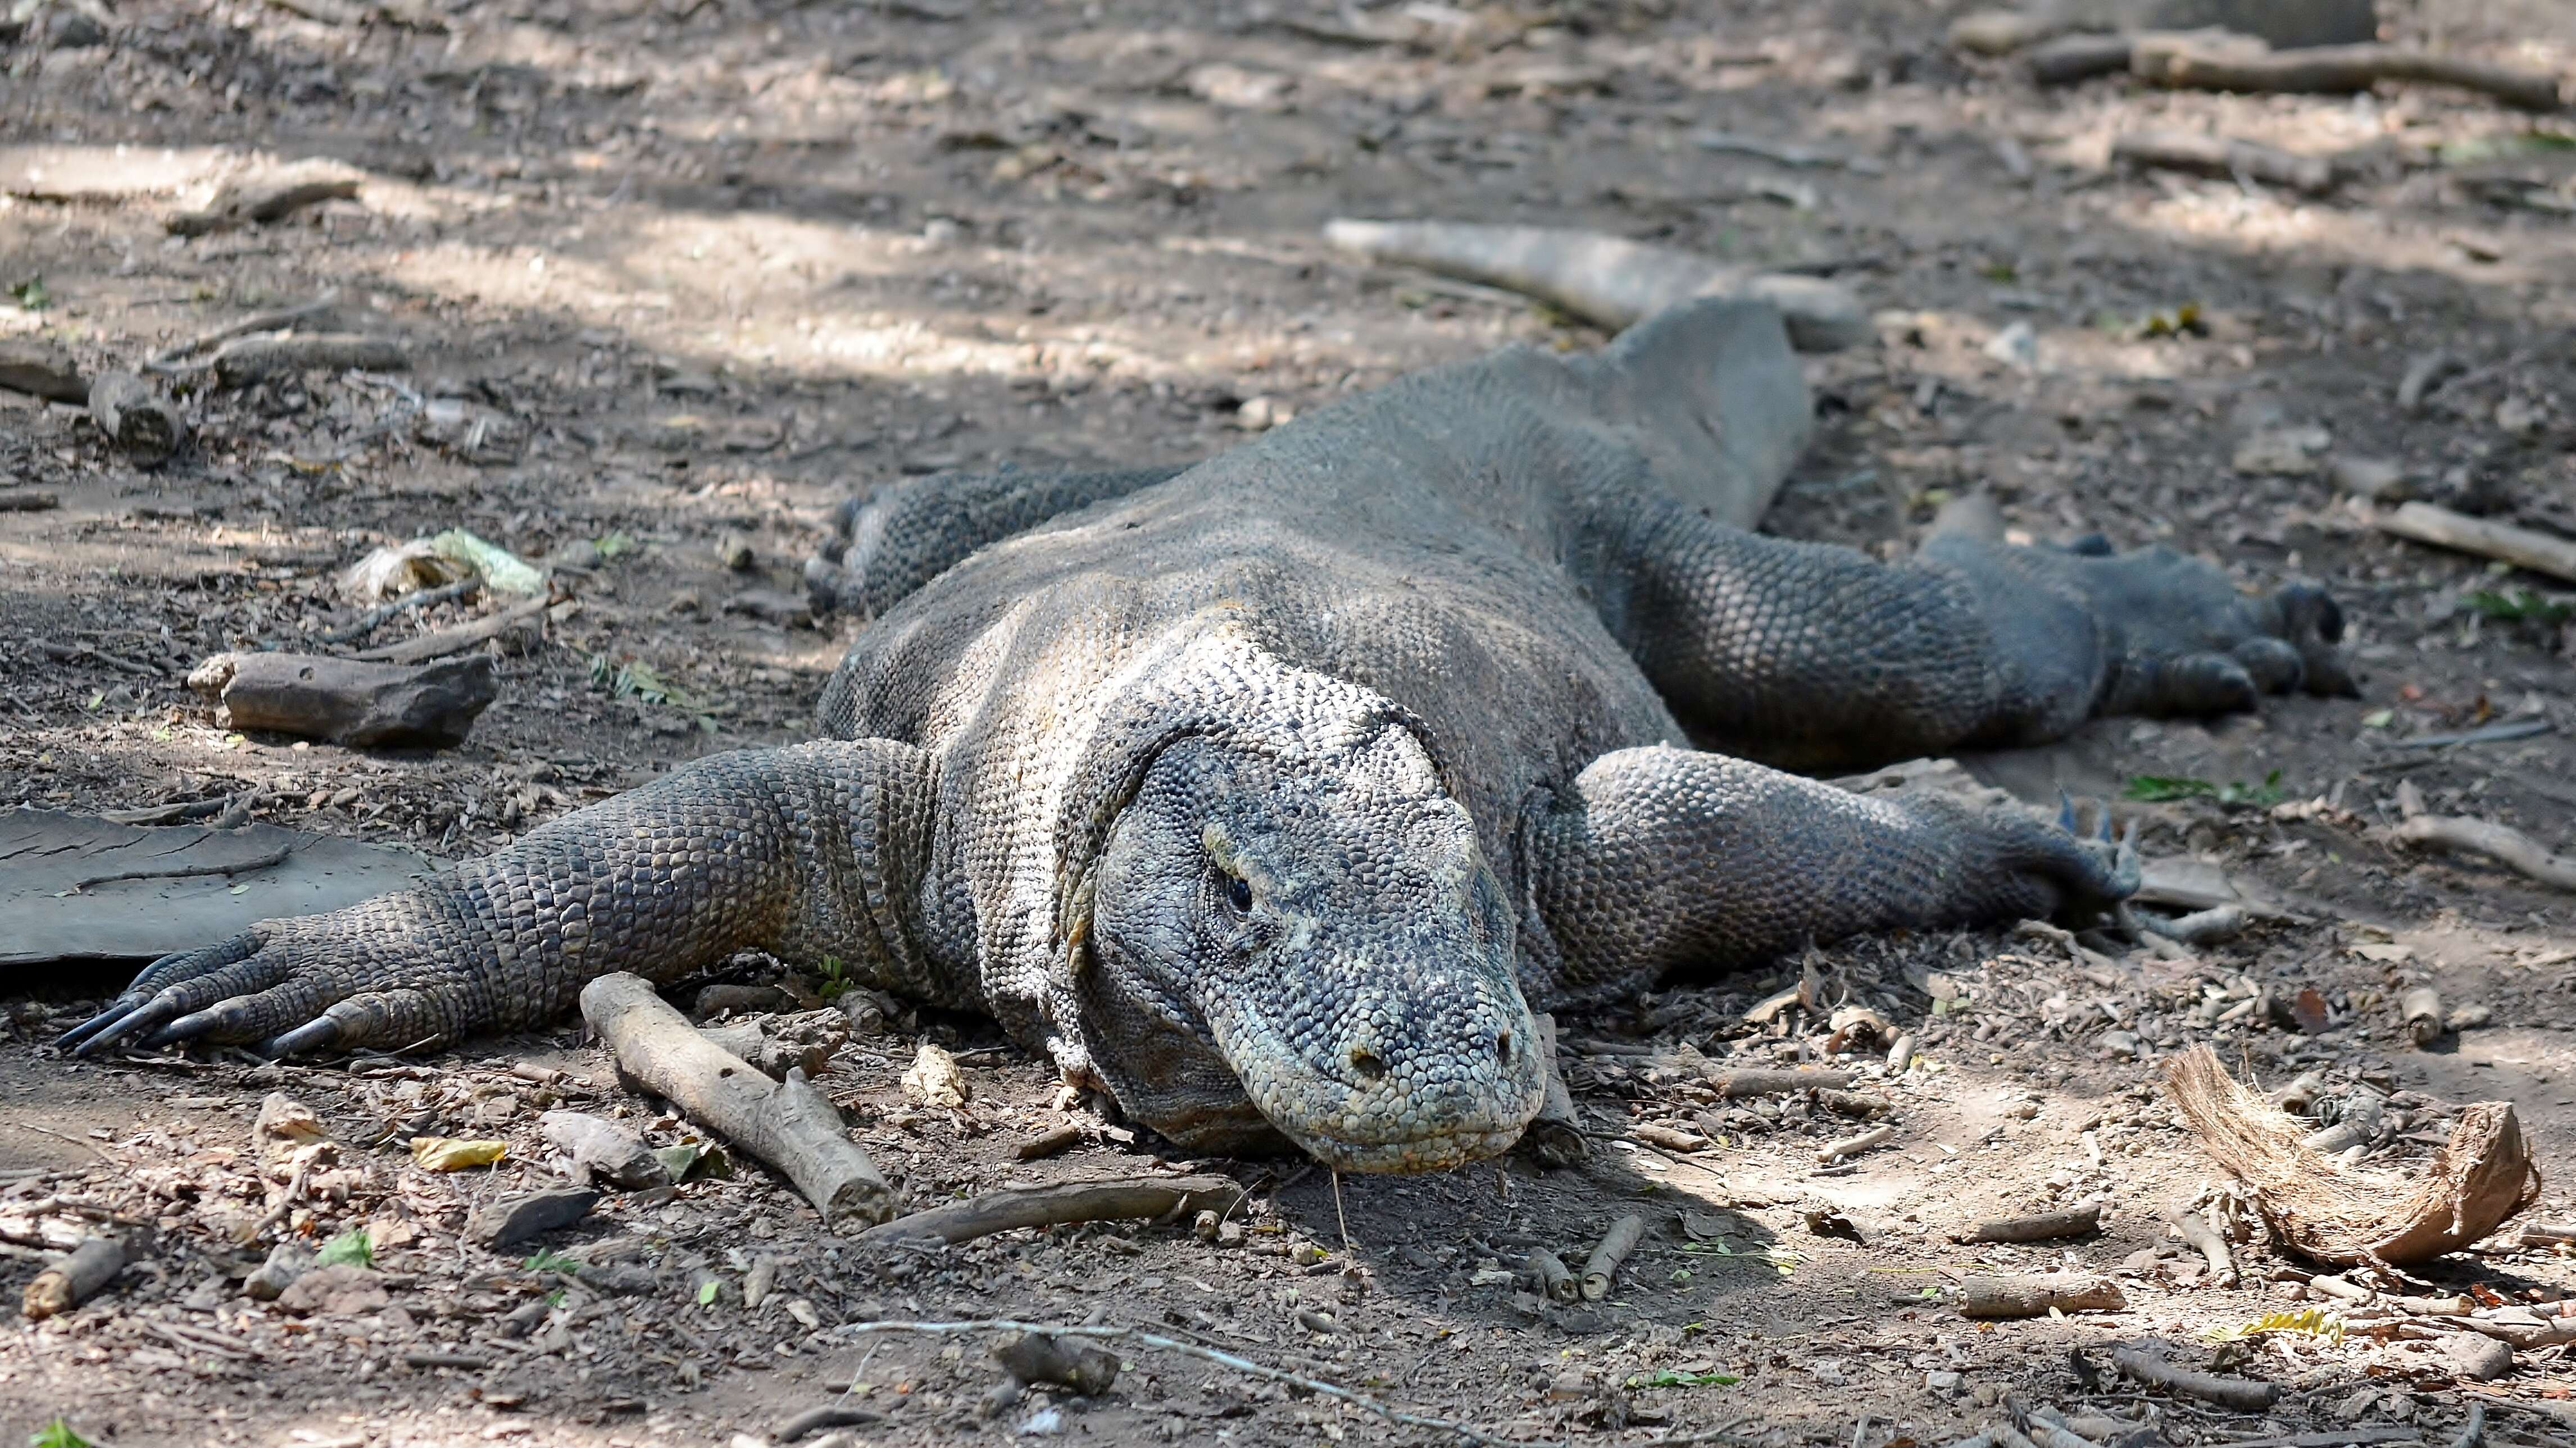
(2016, 346)
(687, 604)
(734, 551)
(787, 610)
(2373, 480)
(2123, 1044)
(74, 28)
(2477, 1357)
(286, 1262)
(1260, 414)
(2288, 452)
(1947, 1384)
(505, 1223)
(342, 1289)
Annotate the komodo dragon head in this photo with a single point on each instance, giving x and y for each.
(1280, 923)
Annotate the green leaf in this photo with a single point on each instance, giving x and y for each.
(2160, 788)
(613, 544)
(2520, 606)
(707, 1291)
(56, 1434)
(32, 295)
(679, 1160)
(549, 1260)
(350, 1246)
(1670, 1378)
(2378, 718)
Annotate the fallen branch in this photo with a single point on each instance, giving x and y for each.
(384, 613)
(1053, 1206)
(2240, 64)
(2245, 1395)
(2197, 1234)
(2224, 158)
(1218, 1356)
(2521, 547)
(1554, 1279)
(2473, 1432)
(72, 1281)
(29, 500)
(1995, 1295)
(518, 628)
(789, 1124)
(2043, 1227)
(1835, 1151)
(2502, 843)
(1606, 279)
(2349, 1215)
(136, 417)
(167, 359)
(1761, 1081)
(2072, 58)
(271, 195)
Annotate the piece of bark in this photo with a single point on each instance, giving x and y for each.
(270, 195)
(1554, 1279)
(2347, 1215)
(1555, 1136)
(2204, 1239)
(1051, 1206)
(29, 500)
(246, 360)
(2521, 547)
(604, 1150)
(1605, 279)
(2068, 59)
(514, 1220)
(1766, 1081)
(789, 1124)
(40, 367)
(134, 414)
(349, 702)
(2192, 62)
(2042, 1227)
(2244, 1395)
(771, 1056)
(1669, 1138)
(1989, 1295)
(76, 1278)
(1054, 1141)
(2225, 158)
(517, 628)
(1034, 1357)
(934, 1079)
(2502, 843)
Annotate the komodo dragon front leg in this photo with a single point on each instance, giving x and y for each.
(1659, 859)
(807, 851)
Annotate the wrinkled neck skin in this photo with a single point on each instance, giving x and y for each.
(1290, 931)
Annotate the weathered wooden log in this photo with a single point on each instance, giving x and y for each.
(2081, 1221)
(268, 195)
(789, 1124)
(41, 367)
(1995, 1295)
(246, 360)
(349, 702)
(2194, 63)
(2245, 1395)
(136, 417)
(1768, 1081)
(2502, 843)
(72, 1281)
(1602, 1267)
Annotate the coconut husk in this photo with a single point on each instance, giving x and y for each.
(2349, 1215)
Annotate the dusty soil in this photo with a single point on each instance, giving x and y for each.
(672, 272)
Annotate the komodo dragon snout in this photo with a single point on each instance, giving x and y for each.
(1297, 935)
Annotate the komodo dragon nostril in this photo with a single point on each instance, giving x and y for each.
(1503, 1047)
(1367, 1063)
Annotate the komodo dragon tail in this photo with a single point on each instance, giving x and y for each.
(1605, 279)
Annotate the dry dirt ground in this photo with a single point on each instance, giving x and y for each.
(672, 270)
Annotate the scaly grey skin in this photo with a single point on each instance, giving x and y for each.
(1267, 798)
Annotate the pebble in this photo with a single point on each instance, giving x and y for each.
(505, 1223)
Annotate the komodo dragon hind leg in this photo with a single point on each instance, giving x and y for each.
(888, 542)
(1660, 858)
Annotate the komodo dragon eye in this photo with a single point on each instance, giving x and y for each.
(1238, 894)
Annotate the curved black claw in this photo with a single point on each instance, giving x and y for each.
(318, 1034)
(148, 1016)
(186, 1028)
(118, 1009)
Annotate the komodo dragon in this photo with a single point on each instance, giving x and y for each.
(1268, 797)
